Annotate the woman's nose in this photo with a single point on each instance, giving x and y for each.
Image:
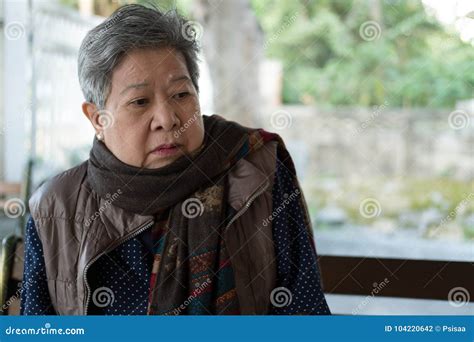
(165, 118)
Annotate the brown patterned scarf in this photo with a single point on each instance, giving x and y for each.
(148, 191)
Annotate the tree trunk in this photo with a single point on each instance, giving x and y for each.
(233, 48)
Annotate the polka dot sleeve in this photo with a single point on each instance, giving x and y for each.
(299, 288)
(35, 298)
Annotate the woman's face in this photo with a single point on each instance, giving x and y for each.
(152, 114)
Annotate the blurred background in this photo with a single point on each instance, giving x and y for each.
(374, 99)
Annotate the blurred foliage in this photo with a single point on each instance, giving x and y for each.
(452, 191)
(449, 198)
(70, 3)
(414, 62)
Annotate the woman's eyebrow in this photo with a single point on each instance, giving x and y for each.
(179, 78)
(135, 86)
(145, 84)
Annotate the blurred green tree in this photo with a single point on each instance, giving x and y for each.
(365, 53)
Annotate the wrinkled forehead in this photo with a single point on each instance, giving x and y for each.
(163, 65)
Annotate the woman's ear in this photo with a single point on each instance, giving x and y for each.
(101, 119)
(91, 112)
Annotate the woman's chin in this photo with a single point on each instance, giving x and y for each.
(158, 161)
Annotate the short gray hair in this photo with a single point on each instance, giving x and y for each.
(131, 27)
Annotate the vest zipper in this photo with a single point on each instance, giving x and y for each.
(247, 204)
(118, 242)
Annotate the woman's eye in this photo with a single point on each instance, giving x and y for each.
(139, 102)
(181, 95)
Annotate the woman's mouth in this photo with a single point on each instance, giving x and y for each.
(166, 149)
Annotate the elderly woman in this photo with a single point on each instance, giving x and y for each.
(174, 212)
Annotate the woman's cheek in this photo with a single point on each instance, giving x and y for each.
(198, 133)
